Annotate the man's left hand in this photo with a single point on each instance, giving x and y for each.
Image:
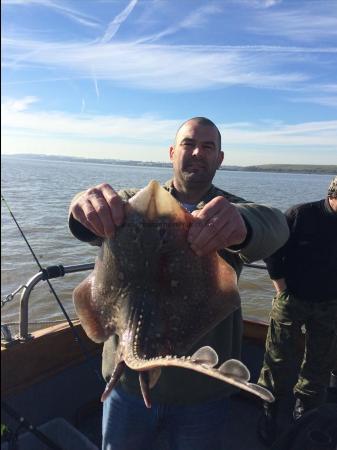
(217, 226)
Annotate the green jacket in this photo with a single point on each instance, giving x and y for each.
(268, 231)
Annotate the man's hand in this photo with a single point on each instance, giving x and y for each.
(99, 209)
(217, 226)
(280, 285)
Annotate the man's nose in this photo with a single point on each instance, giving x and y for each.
(197, 151)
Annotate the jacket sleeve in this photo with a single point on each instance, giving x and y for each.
(268, 231)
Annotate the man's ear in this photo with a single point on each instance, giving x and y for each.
(220, 158)
(171, 152)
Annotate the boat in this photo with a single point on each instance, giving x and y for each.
(51, 384)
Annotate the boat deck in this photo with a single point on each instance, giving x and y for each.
(52, 381)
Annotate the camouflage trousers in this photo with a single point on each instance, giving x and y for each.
(287, 318)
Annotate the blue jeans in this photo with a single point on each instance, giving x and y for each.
(129, 425)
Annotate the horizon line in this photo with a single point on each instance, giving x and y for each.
(39, 155)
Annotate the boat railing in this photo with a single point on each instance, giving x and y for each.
(46, 274)
(26, 289)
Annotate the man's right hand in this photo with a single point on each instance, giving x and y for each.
(100, 209)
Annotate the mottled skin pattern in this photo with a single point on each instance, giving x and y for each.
(158, 296)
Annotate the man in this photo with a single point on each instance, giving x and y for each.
(190, 407)
(303, 272)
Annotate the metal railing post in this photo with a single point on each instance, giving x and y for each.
(31, 283)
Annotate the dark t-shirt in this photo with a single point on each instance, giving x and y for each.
(308, 261)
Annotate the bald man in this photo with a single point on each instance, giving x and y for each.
(191, 408)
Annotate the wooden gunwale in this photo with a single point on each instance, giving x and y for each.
(53, 349)
(48, 351)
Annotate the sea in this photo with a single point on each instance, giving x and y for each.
(39, 191)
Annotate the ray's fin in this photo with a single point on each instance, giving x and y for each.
(119, 369)
(206, 356)
(154, 376)
(144, 381)
(262, 392)
(235, 369)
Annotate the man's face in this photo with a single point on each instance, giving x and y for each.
(196, 154)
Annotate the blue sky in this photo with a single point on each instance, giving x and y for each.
(115, 78)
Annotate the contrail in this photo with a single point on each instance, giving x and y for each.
(96, 86)
(117, 22)
(70, 13)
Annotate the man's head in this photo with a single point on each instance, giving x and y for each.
(196, 153)
(332, 194)
(204, 122)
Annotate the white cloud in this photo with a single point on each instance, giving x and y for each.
(83, 126)
(160, 67)
(320, 134)
(330, 101)
(112, 133)
(22, 104)
(259, 3)
(312, 21)
(85, 148)
(196, 19)
(269, 3)
(329, 88)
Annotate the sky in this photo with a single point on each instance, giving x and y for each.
(116, 78)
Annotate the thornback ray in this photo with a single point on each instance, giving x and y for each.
(150, 289)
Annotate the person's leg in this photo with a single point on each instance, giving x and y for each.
(198, 427)
(127, 424)
(286, 319)
(320, 356)
(284, 330)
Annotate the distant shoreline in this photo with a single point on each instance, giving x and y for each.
(278, 168)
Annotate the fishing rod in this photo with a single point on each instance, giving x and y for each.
(25, 424)
(76, 336)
